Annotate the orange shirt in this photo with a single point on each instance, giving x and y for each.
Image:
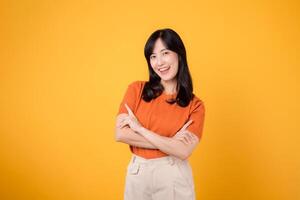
(161, 117)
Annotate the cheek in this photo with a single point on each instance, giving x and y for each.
(175, 69)
(173, 59)
(174, 62)
(175, 66)
(152, 64)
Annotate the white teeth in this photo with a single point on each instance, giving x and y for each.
(164, 69)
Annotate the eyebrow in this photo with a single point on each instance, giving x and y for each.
(159, 51)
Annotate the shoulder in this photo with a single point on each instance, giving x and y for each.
(137, 85)
(197, 103)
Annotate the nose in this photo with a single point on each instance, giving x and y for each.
(159, 61)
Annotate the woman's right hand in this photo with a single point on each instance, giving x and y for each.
(185, 136)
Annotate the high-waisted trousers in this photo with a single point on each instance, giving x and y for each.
(166, 178)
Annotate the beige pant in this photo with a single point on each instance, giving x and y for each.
(166, 178)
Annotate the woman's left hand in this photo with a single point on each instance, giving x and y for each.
(130, 120)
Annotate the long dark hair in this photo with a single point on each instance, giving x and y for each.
(153, 88)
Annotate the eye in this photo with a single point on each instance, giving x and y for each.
(151, 57)
(165, 53)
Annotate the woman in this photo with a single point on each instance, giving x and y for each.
(162, 121)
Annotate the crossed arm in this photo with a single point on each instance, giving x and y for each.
(129, 130)
(127, 135)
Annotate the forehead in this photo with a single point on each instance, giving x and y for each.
(158, 46)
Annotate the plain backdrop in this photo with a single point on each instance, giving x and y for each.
(65, 66)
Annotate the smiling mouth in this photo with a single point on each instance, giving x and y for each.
(164, 70)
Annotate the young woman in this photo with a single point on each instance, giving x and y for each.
(162, 121)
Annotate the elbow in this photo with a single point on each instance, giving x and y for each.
(118, 135)
(117, 138)
(184, 155)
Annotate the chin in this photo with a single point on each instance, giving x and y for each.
(167, 78)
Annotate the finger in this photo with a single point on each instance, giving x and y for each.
(179, 134)
(121, 120)
(129, 110)
(187, 139)
(192, 137)
(121, 125)
(118, 124)
(195, 138)
(124, 123)
(186, 124)
(121, 117)
(182, 139)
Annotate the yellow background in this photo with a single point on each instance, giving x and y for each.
(65, 66)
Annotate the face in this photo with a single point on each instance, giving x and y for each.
(164, 61)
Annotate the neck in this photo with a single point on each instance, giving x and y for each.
(169, 86)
